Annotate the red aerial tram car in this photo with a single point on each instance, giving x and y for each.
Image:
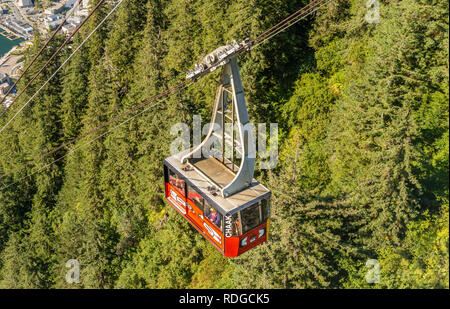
(214, 190)
(241, 221)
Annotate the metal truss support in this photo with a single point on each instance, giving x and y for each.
(230, 110)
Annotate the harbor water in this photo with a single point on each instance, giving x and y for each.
(6, 44)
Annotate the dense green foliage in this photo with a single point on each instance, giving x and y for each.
(364, 151)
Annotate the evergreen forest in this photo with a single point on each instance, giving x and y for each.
(363, 148)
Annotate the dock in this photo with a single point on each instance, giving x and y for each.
(9, 34)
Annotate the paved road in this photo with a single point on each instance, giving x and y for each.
(10, 65)
(18, 12)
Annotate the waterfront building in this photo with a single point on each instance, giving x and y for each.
(56, 9)
(24, 3)
(75, 20)
(3, 9)
(4, 78)
(20, 27)
(4, 88)
(53, 21)
(69, 3)
(67, 29)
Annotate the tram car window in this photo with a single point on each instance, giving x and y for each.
(236, 225)
(251, 217)
(176, 181)
(194, 196)
(265, 209)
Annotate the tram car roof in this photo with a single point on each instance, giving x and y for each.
(209, 171)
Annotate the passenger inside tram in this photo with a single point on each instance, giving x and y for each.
(236, 231)
(175, 180)
(214, 216)
(195, 197)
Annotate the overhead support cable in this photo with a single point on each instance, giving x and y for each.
(66, 41)
(53, 56)
(305, 13)
(294, 15)
(222, 54)
(104, 124)
(312, 7)
(71, 151)
(60, 67)
(40, 52)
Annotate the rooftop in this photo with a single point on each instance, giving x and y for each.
(220, 175)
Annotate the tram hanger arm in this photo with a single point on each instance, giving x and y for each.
(217, 58)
